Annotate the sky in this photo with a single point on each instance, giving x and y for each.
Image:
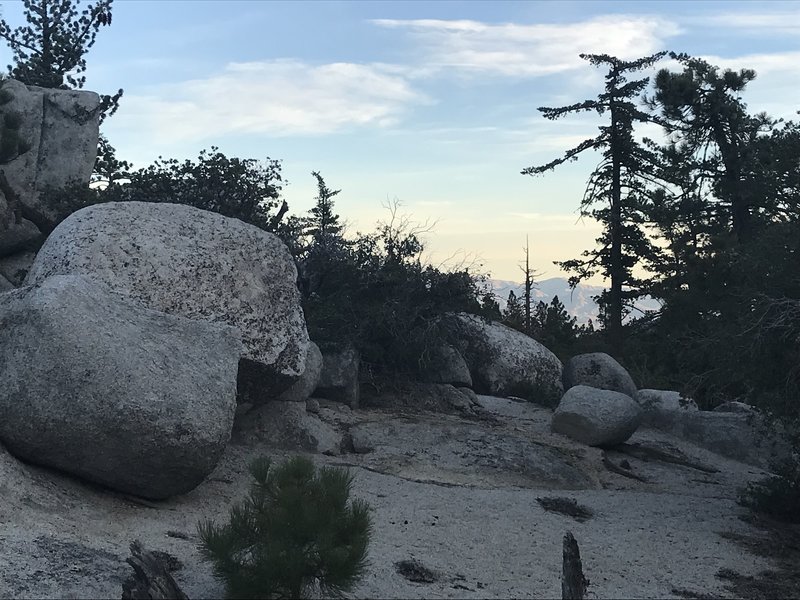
(431, 104)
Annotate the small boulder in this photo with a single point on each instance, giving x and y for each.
(596, 417)
(733, 406)
(287, 425)
(598, 370)
(15, 268)
(417, 396)
(447, 366)
(19, 237)
(197, 264)
(134, 399)
(339, 378)
(503, 361)
(305, 386)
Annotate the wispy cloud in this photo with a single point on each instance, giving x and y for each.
(761, 23)
(531, 50)
(276, 97)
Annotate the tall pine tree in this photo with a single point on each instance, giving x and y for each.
(616, 191)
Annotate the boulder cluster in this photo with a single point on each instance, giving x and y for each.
(134, 335)
(602, 407)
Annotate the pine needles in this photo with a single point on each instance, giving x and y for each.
(293, 534)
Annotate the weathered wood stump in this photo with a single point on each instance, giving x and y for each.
(573, 583)
(151, 579)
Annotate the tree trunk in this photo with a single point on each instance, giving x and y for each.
(617, 272)
(573, 583)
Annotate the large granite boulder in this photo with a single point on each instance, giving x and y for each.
(193, 263)
(305, 386)
(131, 398)
(62, 127)
(596, 417)
(339, 378)
(598, 370)
(656, 403)
(503, 361)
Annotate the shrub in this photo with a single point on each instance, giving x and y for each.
(295, 533)
(777, 496)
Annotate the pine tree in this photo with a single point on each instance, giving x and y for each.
(703, 110)
(294, 535)
(618, 184)
(49, 50)
(514, 314)
(323, 226)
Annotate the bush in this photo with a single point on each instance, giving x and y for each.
(292, 535)
(777, 496)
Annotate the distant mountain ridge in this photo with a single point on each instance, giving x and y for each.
(578, 302)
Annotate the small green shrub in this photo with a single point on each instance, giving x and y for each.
(295, 533)
(777, 496)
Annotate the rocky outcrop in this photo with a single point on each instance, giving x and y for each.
(131, 398)
(62, 127)
(287, 425)
(339, 378)
(598, 370)
(596, 417)
(657, 402)
(503, 361)
(193, 263)
(743, 436)
(304, 387)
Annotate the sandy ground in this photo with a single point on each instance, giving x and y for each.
(458, 495)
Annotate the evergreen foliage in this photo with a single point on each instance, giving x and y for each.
(294, 535)
(108, 169)
(618, 185)
(245, 189)
(376, 293)
(49, 50)
(555, 329)
(777, 496)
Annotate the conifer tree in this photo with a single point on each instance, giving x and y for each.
(514, 314)
(618, 185)
(49, 50)
(294, 536)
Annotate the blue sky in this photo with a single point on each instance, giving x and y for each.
(431, 103)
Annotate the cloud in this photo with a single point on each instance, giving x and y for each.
(275, 97)
(762, 23)
(511, 49)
